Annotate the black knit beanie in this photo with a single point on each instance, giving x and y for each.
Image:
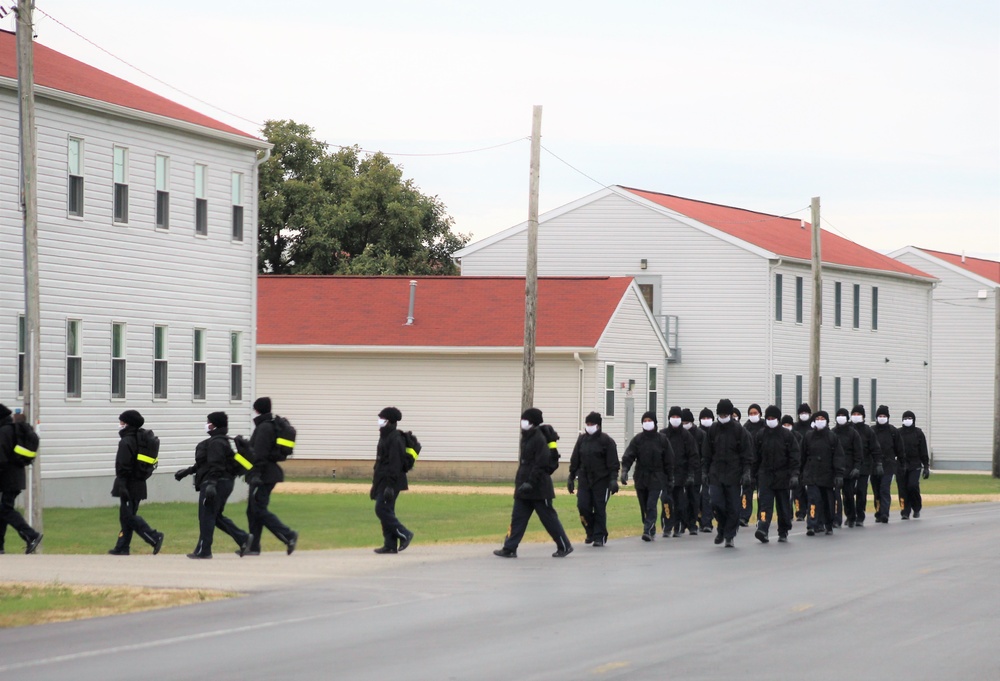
(687, 416)
(262, 405)
(131, 418)
(219, 419)
(391, 414)
(532, 416)
(724, 408)
(593, 418)
(772, 412)
(649, 415)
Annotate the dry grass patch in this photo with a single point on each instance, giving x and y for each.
(27, 604)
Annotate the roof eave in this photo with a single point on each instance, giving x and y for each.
(283, 348)
(951, 267)
(863, 270)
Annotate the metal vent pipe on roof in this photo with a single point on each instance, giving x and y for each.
(413, 296)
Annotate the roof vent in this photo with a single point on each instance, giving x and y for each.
(413, 296)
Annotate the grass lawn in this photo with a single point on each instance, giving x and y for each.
(959, 483)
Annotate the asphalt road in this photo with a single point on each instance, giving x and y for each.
(911, 600)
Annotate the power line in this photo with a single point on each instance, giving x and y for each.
(570, 165)
(442, 153)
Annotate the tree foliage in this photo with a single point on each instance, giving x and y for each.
(344, 212)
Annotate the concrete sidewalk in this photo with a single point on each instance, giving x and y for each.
(226, 571)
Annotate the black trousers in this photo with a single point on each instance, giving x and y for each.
(726, 509)
(668, 509)
(392, 529)
(592, 503)
(767, 500)
(855, 495)
(11, 516)
(259, 517)
(820, 508)
(210, 516)
(837, 516)
(705, 506)
(131, 522)
(746, 504)
(908, 483)
(882, 489)
(649, 502)
(800, 497)
(521, 514)
(678, 514)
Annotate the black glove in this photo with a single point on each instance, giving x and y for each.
(855, 474)
(794, 482)
(371, 492)
(180, 475)
(614, 486)
(122, 485)
(388, 494)
(689, 480)
(745, 481)
(879, 470)
(253, 477)
(524, 489)
(210, 491)
(571, 485)
(927, 472)
(624, 477)
(838, 482)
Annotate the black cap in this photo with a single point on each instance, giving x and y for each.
(842, 412)
(772, 412)
(262, 405)
(754, 406)
(724, 408)
(909, 415)
(706, 413)
(859, 409)
(737, 413)
(687, 416)
(649, 415)
(804, 408)
(882, 410)
(821, 415)
(219, 419)
(787, 420)
(131, 418)
(391, 414)
(675, 411)
(533, 416)
(594, 419)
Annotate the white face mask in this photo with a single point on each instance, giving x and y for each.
(882, 420)
(819, 425)
(687, 426)
(590, 429)
(724, 419)
(208, 427)
(525, 425)
(382, 423)
(754, 418)
(675, 421)
(804, 417)
(841, 420)
(907, 422)
(771, 423)
(122, 426)
(787, 426)
(256, 413)
(706, 423)
(648, 425)
(857, 418)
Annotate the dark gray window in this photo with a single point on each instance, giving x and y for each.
(121, 184)
(200, 369)
(798, 390)
(609, 390)
(235, 365)
(160, 362)
(162, 192)
(118, 360)
(836, 392)
(857, 306)
(874, 401)
(74, 360)
(200, 199)
(874, 308)
(798, 300)
(74, 198)
(777, 297)
(856, 392)
(777, 390)
(837, 296)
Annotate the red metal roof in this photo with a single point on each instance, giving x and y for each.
(448, 311)
(56, 70)
(989, 269)
(782, 236)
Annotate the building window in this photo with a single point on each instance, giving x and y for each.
(22, 335)
(652, 389)
(837, 296)
(74, 362)
(819, 394)
(200, 199)
(74, 199)
(836, 393)
(798, 390)
(609, 389)
(777, 391)
(160, 362)
(121, 184)
(199, 364)
(874, 394)
(857, 306)
(117, 360)
(856, 391)
(235, 366)
(798, 300)
(874, 308)
(162, 192)
(777, 297)
(237, 185)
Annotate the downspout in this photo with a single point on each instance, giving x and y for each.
(256, 253)
(579, 390)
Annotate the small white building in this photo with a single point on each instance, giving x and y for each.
(147, 271)
(733, 291)
(333, 351)
(964, 329)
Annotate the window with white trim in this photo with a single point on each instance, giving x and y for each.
(74, 163)
(200, 199)
(121, 184)
(874, 308)
(652, 390)
(200, 368)
(22, 335)
(236, 365)
(798, 299)
(837, 298)
(118, 360)
(74, 360)
(162, 191)
(609, 389)
(160, 362)
(778, 290)
(237, 196)
(777, 391)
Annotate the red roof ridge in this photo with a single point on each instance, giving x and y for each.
(719, 205)
(983, 267)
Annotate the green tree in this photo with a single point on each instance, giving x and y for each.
(345, 212)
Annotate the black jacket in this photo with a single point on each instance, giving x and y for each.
(914, 448)
(594, 459)
(871, 452)
(853, 449)
(755, 429)
(12, 477)
(727, 453)
(687, 456)
(211, 458)
(823, 458)
(125, 464)
(892, 447)
(531, 465)
(653, 457)
(699, 438)
(776, 458)
(389, 453)
(263, 445)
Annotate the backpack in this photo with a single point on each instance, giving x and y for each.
(147, 454)
(551, 436)
(412, 445)
(284, 438)
(25, 444)
(239, 457)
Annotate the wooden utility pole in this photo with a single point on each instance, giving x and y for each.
(817, 309)
(531, 270)
(29, 207)
(996, 384)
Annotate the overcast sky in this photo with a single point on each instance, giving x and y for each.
(889, 110)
